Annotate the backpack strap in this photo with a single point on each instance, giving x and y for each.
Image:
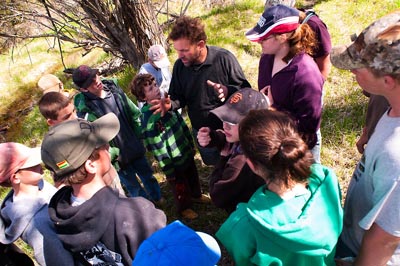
(309, 14)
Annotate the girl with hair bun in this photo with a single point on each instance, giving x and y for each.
(296, 217)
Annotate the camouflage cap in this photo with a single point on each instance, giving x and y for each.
(377, 47)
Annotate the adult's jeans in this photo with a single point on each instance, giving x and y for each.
(140, 167)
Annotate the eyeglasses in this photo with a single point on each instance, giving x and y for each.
(228, 125)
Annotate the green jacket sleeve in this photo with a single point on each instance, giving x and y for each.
(136, 114)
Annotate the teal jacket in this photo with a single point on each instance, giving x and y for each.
(301, 231)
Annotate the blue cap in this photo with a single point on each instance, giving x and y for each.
(275, 20)
(178, 245)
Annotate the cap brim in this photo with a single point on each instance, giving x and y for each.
(227, 114)
(34, 158)
(253, 34)
(162, 63)
(106, 128)
(341, 58)
(283, 25)
(213, 249)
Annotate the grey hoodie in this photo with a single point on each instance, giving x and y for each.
(28, 219)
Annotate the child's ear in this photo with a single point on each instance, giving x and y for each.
(90, 167)
(50, 122)
(14, 179)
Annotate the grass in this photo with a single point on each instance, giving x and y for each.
(344, 106)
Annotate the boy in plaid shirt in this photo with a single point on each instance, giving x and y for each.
(170, 141)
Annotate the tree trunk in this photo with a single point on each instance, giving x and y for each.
(131, 27)
(125, 28)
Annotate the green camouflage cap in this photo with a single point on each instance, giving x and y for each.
(69, 144)
(377, 47)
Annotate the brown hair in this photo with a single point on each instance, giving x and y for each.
(300, 40)
(138, 83)
(269, 139)
(51, 103)
(378, 74)
(188, 28)
(77, 176)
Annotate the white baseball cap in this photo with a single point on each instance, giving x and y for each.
(158, 55)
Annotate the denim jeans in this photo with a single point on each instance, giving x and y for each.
(210, 156)
(129, 179)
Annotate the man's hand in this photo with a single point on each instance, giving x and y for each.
(360, 144)
(221, 90)
(203, 136)
(161, 105)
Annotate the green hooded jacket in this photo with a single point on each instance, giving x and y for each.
(91, 112)
(301, 231)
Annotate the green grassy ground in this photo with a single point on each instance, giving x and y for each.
(344, 103)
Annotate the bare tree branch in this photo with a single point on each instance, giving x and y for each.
(125, 28)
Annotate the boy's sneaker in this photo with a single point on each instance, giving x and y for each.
(204, 198)
(189, 214)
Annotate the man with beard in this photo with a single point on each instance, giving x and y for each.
(202, 78)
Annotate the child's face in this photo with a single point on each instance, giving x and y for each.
(95, 87)
(151, 92)
(67, 113)
(231, 132)
(104, 160)
(31, 175)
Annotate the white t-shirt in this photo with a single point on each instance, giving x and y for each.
(373, 195)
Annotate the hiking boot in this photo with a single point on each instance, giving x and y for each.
(204, 198)
(189, 214)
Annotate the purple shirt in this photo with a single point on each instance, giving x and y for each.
(297, 90)
(322, 35)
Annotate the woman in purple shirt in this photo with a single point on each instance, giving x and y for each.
(287, 72)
